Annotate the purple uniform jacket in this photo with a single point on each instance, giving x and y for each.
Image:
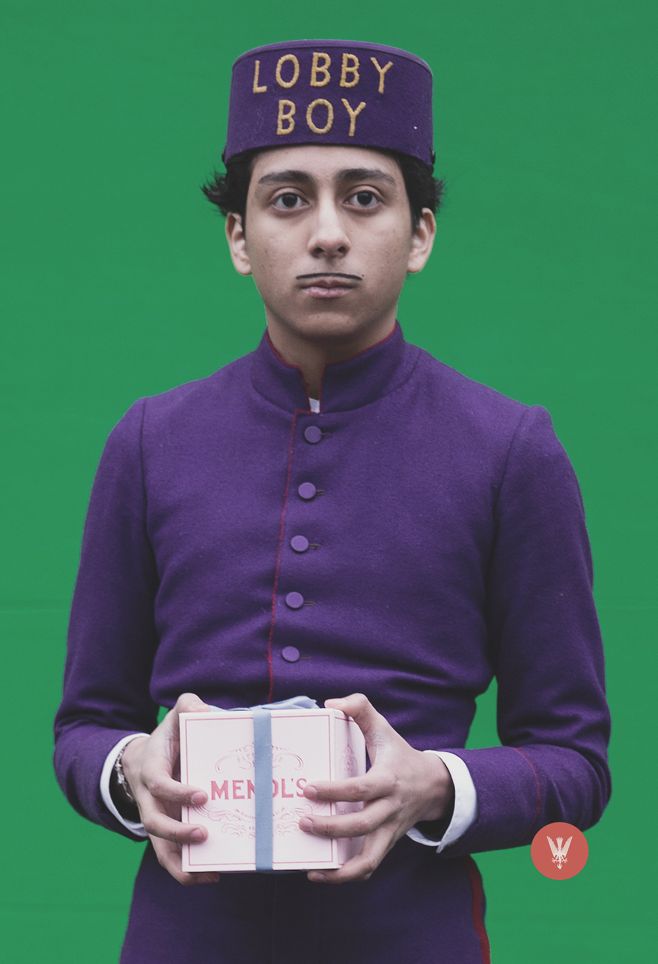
(446, 545)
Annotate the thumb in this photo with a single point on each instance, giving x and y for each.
(168, 730)
(371, 723)
(190, 703)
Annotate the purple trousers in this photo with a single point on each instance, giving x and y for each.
(415, 907)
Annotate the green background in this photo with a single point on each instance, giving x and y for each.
(118, 284)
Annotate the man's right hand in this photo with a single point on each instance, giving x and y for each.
(151, 765)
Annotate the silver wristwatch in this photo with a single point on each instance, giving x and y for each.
(121, 776)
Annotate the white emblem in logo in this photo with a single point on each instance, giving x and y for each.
(559, 852)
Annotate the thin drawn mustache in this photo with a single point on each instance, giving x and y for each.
(331, 274)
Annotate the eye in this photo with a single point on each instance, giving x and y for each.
(366, 199)
(288, 201)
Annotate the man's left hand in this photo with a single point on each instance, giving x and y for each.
(403, 787)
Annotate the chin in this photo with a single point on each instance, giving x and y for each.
(324, 323)
(330, 324)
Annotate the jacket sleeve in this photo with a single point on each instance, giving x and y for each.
(111, 632)
(553, 719)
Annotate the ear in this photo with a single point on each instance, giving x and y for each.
(237, 243)
(422, 241)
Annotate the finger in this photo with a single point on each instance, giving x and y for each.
(372, 724)
(358, 824)
(372, 785)
(160, 785)
(169, 857)
(360, 867)
(158, 824)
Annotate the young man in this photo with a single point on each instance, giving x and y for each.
(337, 514)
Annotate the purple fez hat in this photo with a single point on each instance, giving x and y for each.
(330, 92)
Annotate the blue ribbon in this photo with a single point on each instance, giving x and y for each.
(263, 786)
(263, 769)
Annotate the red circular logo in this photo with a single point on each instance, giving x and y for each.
(559, 850)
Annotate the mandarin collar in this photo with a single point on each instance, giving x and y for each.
(347, 384)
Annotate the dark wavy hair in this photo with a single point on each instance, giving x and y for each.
(228, 191)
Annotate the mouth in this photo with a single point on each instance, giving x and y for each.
(328, 285)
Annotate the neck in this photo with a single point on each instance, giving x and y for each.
(312, 351)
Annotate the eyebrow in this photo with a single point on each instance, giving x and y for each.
(347, 174)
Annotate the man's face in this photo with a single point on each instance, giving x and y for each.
(329, 239)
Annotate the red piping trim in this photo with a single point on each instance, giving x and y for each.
(362, 351)
(278, 353)
(477, 910)
(320, 401)
(289, 365)
(277, 564)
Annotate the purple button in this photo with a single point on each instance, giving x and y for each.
(306, 490)
(299, 543)
(290, 654)
(295, 600)
(312, 433)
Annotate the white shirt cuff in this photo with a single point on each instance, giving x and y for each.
(106, 773)
(465, 807)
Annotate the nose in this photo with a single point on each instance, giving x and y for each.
(328, 237)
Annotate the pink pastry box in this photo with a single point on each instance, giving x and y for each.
(217, 755)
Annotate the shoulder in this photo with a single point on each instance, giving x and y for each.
(472, 407)
(186, 404)
(485, 420)
(198, 393)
